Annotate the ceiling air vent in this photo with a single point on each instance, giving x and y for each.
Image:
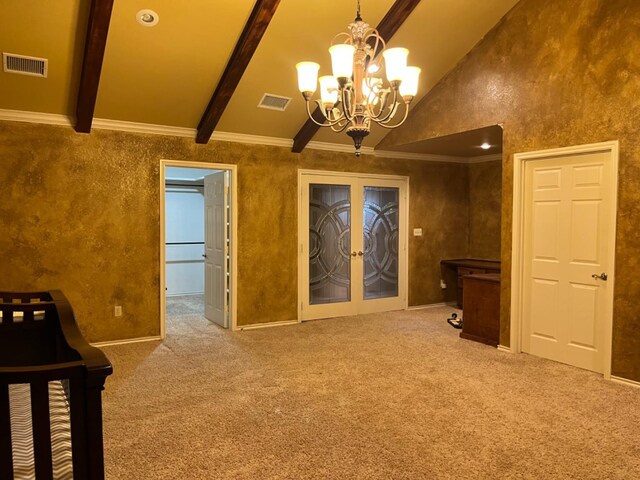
(274, 102)
(12, 63)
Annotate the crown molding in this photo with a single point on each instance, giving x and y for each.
(428, 157)
(137, 127)
(424, 157)
(251, 139)
(35, 117)
(485, 158)
(153, 129)
(338, 147)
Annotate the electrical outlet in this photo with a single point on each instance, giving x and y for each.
(443, 285)
(118, 311)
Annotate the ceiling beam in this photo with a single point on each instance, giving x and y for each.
(94, 46)
(248, 42)
(387, 27)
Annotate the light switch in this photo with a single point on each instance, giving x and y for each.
(417, 232)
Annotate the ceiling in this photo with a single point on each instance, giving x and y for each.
(464, 144)
(166, 75)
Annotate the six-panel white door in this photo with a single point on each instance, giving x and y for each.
(215, 264)
(566, 234)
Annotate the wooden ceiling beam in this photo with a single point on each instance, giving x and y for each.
(246, 46)
(387, 28)
(94, 46)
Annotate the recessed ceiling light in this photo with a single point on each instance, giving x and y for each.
(485, 146)
(147, 18)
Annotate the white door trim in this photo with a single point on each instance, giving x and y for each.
(517, 260)
(233, 240)
(404, 260)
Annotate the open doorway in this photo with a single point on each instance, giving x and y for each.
(198, 225)
(471, 272)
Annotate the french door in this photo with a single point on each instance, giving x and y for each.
(353, 245)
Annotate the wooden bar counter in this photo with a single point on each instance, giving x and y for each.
(481, 315)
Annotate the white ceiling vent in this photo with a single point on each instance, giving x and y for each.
(274, 102)
(12, 63)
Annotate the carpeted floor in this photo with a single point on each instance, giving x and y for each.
(383, 396)
(178, 305)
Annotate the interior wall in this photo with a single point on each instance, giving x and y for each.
(184, 225)
(81, 213)
(485, 198)
(555, 74)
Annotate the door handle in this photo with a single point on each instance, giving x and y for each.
(353, 254)
(602, 276)
(204, 255)
(360, 253)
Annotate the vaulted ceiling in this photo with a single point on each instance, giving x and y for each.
(167, 74)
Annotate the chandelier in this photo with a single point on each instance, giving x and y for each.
(354, 97)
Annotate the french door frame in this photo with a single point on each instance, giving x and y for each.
(517, 252)
(349, 308)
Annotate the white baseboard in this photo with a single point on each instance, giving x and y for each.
(431, 305)
(36, 117)
(112, 343)
(255, 326)
(190, 294)
(625, 381)
(502, 348)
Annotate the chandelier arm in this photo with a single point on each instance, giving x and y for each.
(379, 41)
(340, 128)
(375, 116)
(389, 127)
(331, 122)
(392, 109)
(342, 34)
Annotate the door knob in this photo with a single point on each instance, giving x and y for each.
(360, 253)
(204, 255)
(602, 276)
(353, 254)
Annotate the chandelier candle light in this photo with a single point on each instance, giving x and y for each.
(353, 96)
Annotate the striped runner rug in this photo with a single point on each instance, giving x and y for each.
(22, 436)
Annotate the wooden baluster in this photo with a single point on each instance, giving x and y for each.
(41, 421)
(78, 409)
(6, 452)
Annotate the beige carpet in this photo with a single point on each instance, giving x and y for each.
(178, 305)
(386, 396)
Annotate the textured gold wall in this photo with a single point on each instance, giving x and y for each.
(485, 192)
(81, 213)
(555, 74)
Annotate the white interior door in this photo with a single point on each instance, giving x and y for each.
(352, 245)
(215, 244)
(567, 224)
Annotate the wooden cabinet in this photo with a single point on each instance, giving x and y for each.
(469, 266)
(481, 315)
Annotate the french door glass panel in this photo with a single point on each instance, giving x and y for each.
(381, 222)
(329, 244)
(352, 244)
